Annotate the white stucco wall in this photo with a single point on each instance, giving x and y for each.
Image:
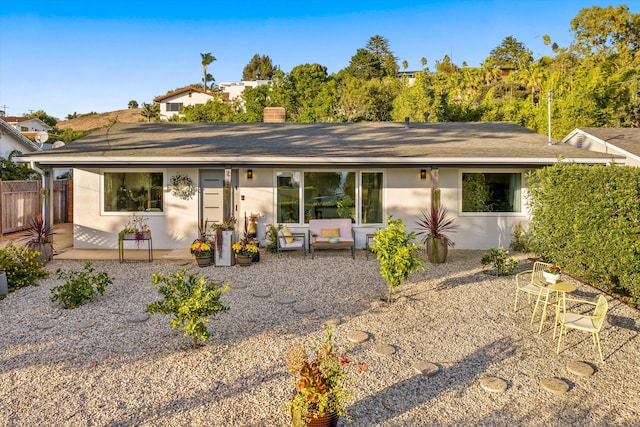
(185, 98)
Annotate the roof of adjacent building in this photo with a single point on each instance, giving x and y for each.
(627, 139)
(6, 128)
(181, 91)
(383, 143)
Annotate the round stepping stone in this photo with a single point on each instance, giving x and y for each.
(384, 350)
(331, 322)
(303, 309)
(357, 337)
(137, 318)
(580, 369)
(262, 294)
(286, 300)
(237, 285)
(85, 324)
(493, 384)
(45, 325)
(427, 369)
(554, 385)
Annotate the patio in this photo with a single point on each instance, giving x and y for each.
(107, 363)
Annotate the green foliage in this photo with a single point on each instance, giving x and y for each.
(67, 135)
(10, 171)
(399, 256)
(497, 258)
(587, 219)
(259, 68)
(272, 236)
(19, 263)
(190, 300)
(150, 111)
(520, 242)
(79, 286)
(132, 104)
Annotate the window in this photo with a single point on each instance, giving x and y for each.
(491, 192)
(174, 106)
(133, 192)
(329, 194)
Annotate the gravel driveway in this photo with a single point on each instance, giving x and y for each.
(106, 364)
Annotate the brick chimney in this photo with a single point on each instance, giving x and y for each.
(274, 115)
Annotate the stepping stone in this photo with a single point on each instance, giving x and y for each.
(45, 325)
(303, 309)
(331, 322)
(554, 385)
(262, 294)
(384, 350)
(580, 369)
(137, 318)
(237, 285)
(286, 300)
(493, 384)
(427, 369)
(357, 337)
(86, 324)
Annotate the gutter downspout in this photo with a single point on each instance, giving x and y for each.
(46, 194)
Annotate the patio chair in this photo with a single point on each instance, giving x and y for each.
(533, 286)
(288, 241)
(583, 322)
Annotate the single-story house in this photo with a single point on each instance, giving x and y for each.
(12, 139)
(171, 102)
(290, 173)
(615, 141)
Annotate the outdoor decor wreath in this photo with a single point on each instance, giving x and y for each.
(182, 186)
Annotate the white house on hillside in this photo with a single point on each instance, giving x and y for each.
(170, 103)
(28, 126)
(11, 139)
(234, 90)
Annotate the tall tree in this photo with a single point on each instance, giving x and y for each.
(259, 68)
(207, 59)
(511, 54)
(150, 111)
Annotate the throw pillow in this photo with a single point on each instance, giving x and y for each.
(330, 232)
(288, 237)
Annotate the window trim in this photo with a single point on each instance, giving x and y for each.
(523, 187)
(127, 213)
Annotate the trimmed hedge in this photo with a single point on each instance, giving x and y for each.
(587, 219)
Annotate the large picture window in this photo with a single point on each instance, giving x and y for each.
(133, 192)
(329, 194)
(491, 192)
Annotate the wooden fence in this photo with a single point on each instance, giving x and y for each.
(21, 200)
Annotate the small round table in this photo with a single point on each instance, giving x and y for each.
(560, 288)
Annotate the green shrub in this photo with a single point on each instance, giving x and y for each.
(189, 300)
(79, 286)
(520, 242)
(497, 258)
(399, 256)
(272, 237)
(18, 262)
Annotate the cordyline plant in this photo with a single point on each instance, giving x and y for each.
(190, 300)
(399, 256)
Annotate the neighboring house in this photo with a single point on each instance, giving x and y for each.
(170, 103)
(234, 90)
(11, 139)
(28, 126)
(615, 141)
(293, 172)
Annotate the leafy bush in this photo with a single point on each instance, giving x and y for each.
(79, 286)
(272, 237)
(189, 300)
(18, 262)
(520, 242)
(397, 253)
(497, 258)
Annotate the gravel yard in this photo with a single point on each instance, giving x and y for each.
(106, 364)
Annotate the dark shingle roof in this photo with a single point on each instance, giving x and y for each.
(315, 143)
(627, 139)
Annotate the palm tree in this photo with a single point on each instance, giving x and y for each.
(207, 59)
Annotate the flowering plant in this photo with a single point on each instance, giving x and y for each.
(552, 269)
(321, 382)
(200, 248)
(245, 249)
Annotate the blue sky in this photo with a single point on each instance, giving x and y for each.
(81, 56)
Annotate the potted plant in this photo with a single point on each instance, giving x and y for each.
(202, 251)
(320, 383)
(136, 229)
(224, 232)
(244, 252)
(551, 273)
(39, 237)
(433, 225)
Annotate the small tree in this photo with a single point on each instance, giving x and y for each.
(133, 104)
(399, 256)
(189, 300)
(150, 111)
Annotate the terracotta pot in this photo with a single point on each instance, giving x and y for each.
(437, 250)
(243, 261)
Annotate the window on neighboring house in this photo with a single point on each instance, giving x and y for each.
(24, 129)
(133, 192)
(491, 192)
(329, 194)
(174, 106)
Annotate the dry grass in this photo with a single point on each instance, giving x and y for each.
(96, 121)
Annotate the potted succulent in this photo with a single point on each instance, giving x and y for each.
(245, 252)
(320, 383)
(39, 237)
(551, 273)
(433, 226)
(136, 229)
